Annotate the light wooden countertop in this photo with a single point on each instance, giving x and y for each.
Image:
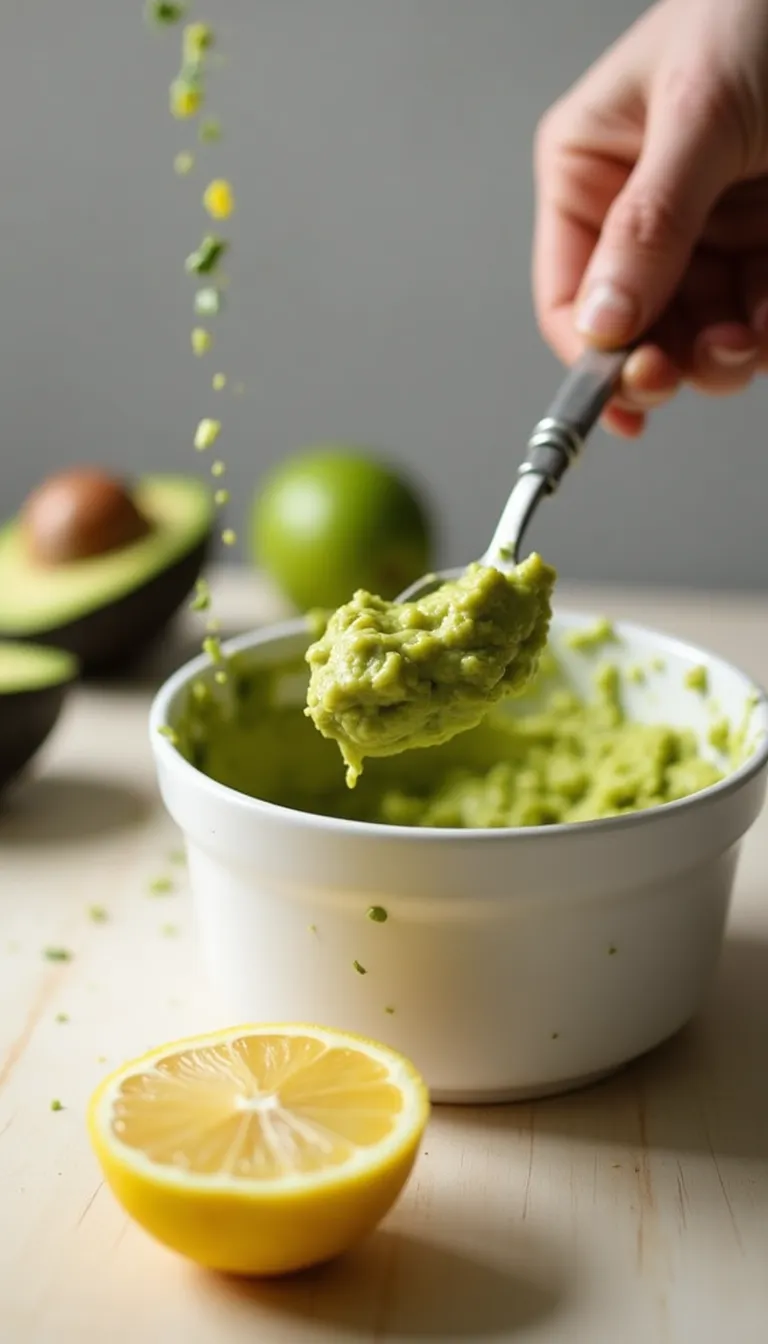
(632, 1213)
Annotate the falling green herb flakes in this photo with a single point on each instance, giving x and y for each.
(163, 12)
(206, 257)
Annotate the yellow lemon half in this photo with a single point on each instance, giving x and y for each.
(260, 1149)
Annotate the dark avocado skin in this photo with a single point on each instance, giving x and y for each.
(113, 637)
(26, 719)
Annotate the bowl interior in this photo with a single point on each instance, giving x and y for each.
(284, 760)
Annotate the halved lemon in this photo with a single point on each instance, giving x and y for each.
(261, 1149)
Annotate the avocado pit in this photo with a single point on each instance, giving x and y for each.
(80, 513)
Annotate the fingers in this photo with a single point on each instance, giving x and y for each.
(722, 349)
(575, 188)
(651, 229)
(754, 294)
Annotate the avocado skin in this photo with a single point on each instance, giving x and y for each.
(113, 637)
(26, 720)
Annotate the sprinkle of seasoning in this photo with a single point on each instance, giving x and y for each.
(212, 647)
(202, 598)
(98, 914)
(218, 468)
(219, 381)
(208, 302)
(612, 951)
(229, 537)
(170, 930)
(360, 969)
(206, 434)
(198, 38)
(202, 340)
(207, 256)
(218, 199)
(163, 12)
(209, 131)
(166, 731)
(555, 1035)
(58, 954)
(57, 1105)
(378, 914)
(389, 1010)
(221, 497)
(62, 1017)
(185, 97)
(184, 163)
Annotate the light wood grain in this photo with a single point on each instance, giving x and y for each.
(636, 1211)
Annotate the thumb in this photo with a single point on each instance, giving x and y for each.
(655, 222)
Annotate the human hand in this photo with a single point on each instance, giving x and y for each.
(652, 205)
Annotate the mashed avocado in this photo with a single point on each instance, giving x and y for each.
(388, 676)
(544, 757)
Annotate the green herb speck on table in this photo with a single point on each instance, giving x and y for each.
(98, 914)
(360, 969)
(57, 954)
(377, 914)
(57, 1105)
(160, 886)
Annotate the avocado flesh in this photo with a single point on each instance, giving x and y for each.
(106, 609)
(33, 684)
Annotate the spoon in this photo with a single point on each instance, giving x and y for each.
(555, 443)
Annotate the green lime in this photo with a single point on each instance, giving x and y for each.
(334, 519)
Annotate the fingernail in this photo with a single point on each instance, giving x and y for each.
(645, 399)
(730, 358)
(606, 312)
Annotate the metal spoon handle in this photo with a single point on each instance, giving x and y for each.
(559, 437)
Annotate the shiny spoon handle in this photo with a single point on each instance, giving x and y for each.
(559, 436)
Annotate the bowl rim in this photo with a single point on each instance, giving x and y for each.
(166, 754)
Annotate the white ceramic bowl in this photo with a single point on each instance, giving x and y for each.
(518, 962)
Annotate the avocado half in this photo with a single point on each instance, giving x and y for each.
(34, 681)
(106, 609)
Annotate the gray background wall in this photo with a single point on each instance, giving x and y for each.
(380, 150)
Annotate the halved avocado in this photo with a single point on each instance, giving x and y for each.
(33, 683)
(104, 607)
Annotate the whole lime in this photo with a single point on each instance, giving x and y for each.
(333, 519)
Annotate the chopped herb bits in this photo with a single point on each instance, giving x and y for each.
(208, 302)
(202, 340)
(206, 434)
(207, 256)
(209, 131)
(218, 199)
(163, 12)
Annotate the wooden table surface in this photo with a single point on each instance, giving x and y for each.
(632, 1213)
